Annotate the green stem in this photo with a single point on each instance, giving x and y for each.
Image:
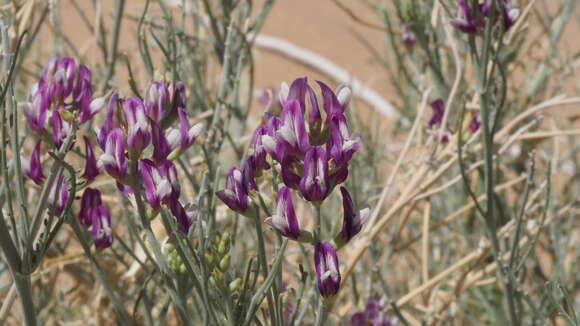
(120, 4)
(264, 262)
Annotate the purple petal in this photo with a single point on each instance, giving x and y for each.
(60, 128)
(188, 135)
(35, 110)
(352, 220)
(101, 228)
(114, 160)
(156, 101)
(138, 128)
(284, 219)
(90, 200)
(292, 133)
(111, 121)
(330, 102)
(91, 170)
(314, 185)
(259, 152)
(57, 202)
(438, 107)
(327, 269)
(32, 167)
(235, 195)
(185, 216)
(161, 147)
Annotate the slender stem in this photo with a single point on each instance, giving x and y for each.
(115, 43)
(488, 149)
(318, 225)
(264, 262)
(321, 313)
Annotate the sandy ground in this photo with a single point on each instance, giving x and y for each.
(319, 26)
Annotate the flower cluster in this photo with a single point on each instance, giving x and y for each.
(63, 88)
(310, 151)
(373, 315)
(63, 94)
(137, 151)
(136, 138)
(471, 20)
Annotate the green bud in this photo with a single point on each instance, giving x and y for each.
(235, 284)
(225, 263)
(223, 249)
(208, 258)
(212, 281)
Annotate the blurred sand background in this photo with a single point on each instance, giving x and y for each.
(317, 25)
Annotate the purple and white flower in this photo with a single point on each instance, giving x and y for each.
(58, 196)
(32, 167)
(91, 170)
(284, 219)
(235, 194)
(315, 184)
(114, 160)
(353, 219)
(138, 128)
(327, 269)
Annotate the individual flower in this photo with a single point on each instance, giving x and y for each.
(407, 35)
(352, 220)
(183, 138)
(327, 269)
(235, 194)
(101, 227)
(341, 145)
(90, 201)
(292, 133)
(465, 20)
(438, 108)
(35, 110)
(58, 196)
(161, 147)
(83, 96)
(185, 216)
(111, 121)
(113, 160)
(475, 123)
(91, 170)
(87, 112)
(373, 315)
(289, 172)
(63, 79)
(249, 171)
(60, 127)
(177, 96)
(156, 101)
(138, 128)
(268, 140)
(32, 167)
(334, 103)
(314, 185)
(284, 219)
(259, 152)
(161, 184)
